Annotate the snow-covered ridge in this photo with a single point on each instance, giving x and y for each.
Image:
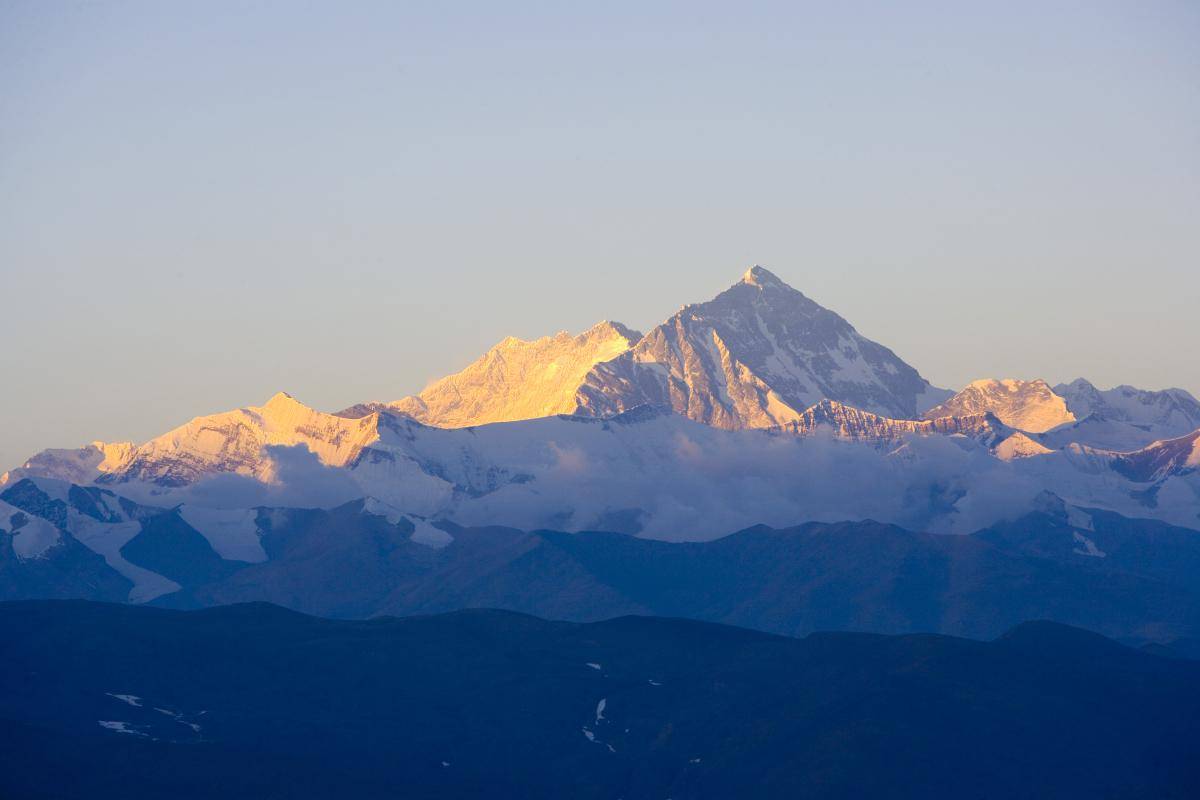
(1161, 459)
(1123, 418)
(1130, 404)
(856, 425)
(239, 442)
(234, 442)
(81, 465)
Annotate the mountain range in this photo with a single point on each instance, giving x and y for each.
(757, 408)
(756, 356)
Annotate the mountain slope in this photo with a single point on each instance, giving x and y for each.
(756, 356)
(1030, 406)
(255, 701)
(518, 380)
(40, 560)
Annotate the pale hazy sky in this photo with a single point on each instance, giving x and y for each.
(203, 203)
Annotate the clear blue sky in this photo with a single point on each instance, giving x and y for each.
(202, 203)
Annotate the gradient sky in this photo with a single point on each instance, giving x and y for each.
(203, 203)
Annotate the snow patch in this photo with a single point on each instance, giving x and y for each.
(423, 531)
(32, 536)
(378, 508)
(232, 532)
(107, 540)
(1078, 518)
(1089, 547)
(426, 534)
(119, 727)
(178, 717)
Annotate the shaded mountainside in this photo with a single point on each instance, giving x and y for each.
(850, 576)
(1131, 579)
(115, 701)
(1161, 459)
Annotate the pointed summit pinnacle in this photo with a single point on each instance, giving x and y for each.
(280, 401)
(760, 277)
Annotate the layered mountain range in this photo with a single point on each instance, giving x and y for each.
(758, 407)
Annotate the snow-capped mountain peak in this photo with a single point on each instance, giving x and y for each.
(229, 442)
(756, 356)
(762, 278)
(1030, 406)
(79, 465)
(518, 379)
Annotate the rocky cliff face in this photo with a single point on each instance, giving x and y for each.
(756, 356)
(1161, 460)
(853, 424)
(518, 380)
(1030, 406)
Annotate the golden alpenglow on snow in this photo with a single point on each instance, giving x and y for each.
(518, 379)
(1030, 406)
